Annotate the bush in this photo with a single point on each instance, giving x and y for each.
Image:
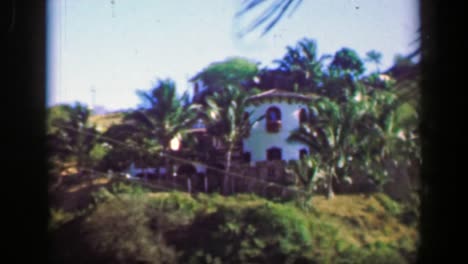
(58, 217)
(261, 233)
(171, 210)
(117, 189)
(128, 188)
(411, 210)
(377, 253)
(390, 205)
(381, 253)
(127, 227)
(97, 153)
(118, 231)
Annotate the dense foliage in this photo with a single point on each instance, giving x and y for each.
(357, 127)
(177, 228)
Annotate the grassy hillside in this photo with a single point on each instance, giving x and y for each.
(103, 122)
(122, 223)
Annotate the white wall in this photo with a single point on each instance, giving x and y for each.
(260, 140)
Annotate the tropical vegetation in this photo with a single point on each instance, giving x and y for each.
(360, 129)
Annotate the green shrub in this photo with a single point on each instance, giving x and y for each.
(128, 188)
(118, 231)
(175, 227)
(58, 217)
(377, 253)
(117, 189)
(325, 241)
(101, 195)
(381, 253)
(262, 233)
(390, 205)
(370, 209)
(97, 153)
(171, 210)
(411, 210)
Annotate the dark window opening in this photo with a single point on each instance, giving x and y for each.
(273, 119)
(302, 116)
(302, 153)
(196, 88)
(247, 157)
(274, 154)
(271, 172)
(246, 115)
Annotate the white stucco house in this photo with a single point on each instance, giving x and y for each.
(284, 111)
(266, 149)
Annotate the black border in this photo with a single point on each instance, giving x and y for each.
(442, 40)
(23, 127)
(24, 152)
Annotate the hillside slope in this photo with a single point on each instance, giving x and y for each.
(363, 226)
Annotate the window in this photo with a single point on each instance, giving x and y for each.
(247, 157)
(273, 119)
(302, 116)
(271, 172)
(274, 154)
(246, 115)
(302, 153)
(196, 88)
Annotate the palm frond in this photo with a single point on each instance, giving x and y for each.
(274, 13)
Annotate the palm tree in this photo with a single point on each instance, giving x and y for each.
(167, 115)
(390, 138)
(375, 57)
(330, 133)
(302, 65)
(164, 118)
(346, 61)
(305, 172)
(275, 11)
(129, 142)
(71, 135)
(229, 123)
(236, 71)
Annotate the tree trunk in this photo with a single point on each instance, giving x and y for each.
(232, 185)
(226, 175)
(205, 181)
(330, 193)
(189, 184)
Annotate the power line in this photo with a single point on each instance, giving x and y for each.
(148, 184)
(186, 161)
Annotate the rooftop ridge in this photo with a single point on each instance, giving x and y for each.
(279, 93)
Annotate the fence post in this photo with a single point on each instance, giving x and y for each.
(205, 181)
(189, 183)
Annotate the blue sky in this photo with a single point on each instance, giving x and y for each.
(119, 46)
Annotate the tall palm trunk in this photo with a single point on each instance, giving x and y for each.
(228, 167)
(189, 183)
(205, 181)
(330, 193)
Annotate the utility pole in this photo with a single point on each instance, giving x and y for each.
(93, 97)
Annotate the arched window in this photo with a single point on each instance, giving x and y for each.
(302, 153)
(273, 119)
(196, 88)
(302, 116)
(274, 153)
(246, 116)
(247, 157)
(271, 172)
